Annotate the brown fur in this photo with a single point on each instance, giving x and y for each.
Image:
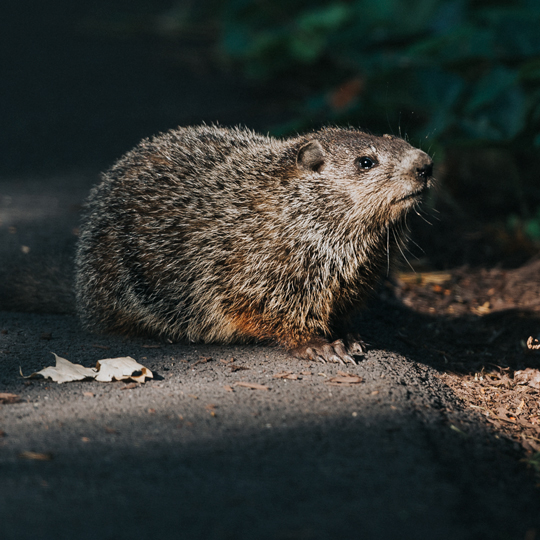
(222, 235)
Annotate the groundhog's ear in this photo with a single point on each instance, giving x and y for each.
(311, 156)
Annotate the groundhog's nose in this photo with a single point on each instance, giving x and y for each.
(425, 172)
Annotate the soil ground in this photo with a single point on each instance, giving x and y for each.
(434, 434)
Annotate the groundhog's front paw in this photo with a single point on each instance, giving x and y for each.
(338, 352)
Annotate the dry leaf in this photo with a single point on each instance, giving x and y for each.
(130, 386)
(528, 376)
(423, 278)
(237, 368)
(484, 309)
(346, 93)
(37, 456)
(202, 360)
(254, 386)
(228, 388)
(88, 394)
(9, 398)
(345, 379)
(121, 369)
(286, 375)
(107, 370)
(64, 371)
(211, 408)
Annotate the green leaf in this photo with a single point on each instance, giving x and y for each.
(490, 87)
(502, 121)
(532, 229)
(325, 19)
(236, 41)
(530, 70)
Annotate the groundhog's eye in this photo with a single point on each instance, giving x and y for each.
(365, 163)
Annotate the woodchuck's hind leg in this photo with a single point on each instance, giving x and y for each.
(338, 351)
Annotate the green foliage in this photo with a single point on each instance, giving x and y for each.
(534, 462)
(529, 227)
(455, 71)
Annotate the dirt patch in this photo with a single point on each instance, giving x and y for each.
(481, 328)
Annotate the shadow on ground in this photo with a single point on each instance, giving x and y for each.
(195, 455)
(339, 478)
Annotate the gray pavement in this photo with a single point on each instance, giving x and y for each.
(183, 456)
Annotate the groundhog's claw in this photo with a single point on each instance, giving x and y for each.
(310, 353)
(355, 345)
(341, 354)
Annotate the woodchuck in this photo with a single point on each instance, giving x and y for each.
(211, 234)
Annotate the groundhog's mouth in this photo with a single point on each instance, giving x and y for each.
(414, 195)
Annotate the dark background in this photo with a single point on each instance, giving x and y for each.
(82, 83)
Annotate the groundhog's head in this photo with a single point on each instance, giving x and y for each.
(384, 177)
